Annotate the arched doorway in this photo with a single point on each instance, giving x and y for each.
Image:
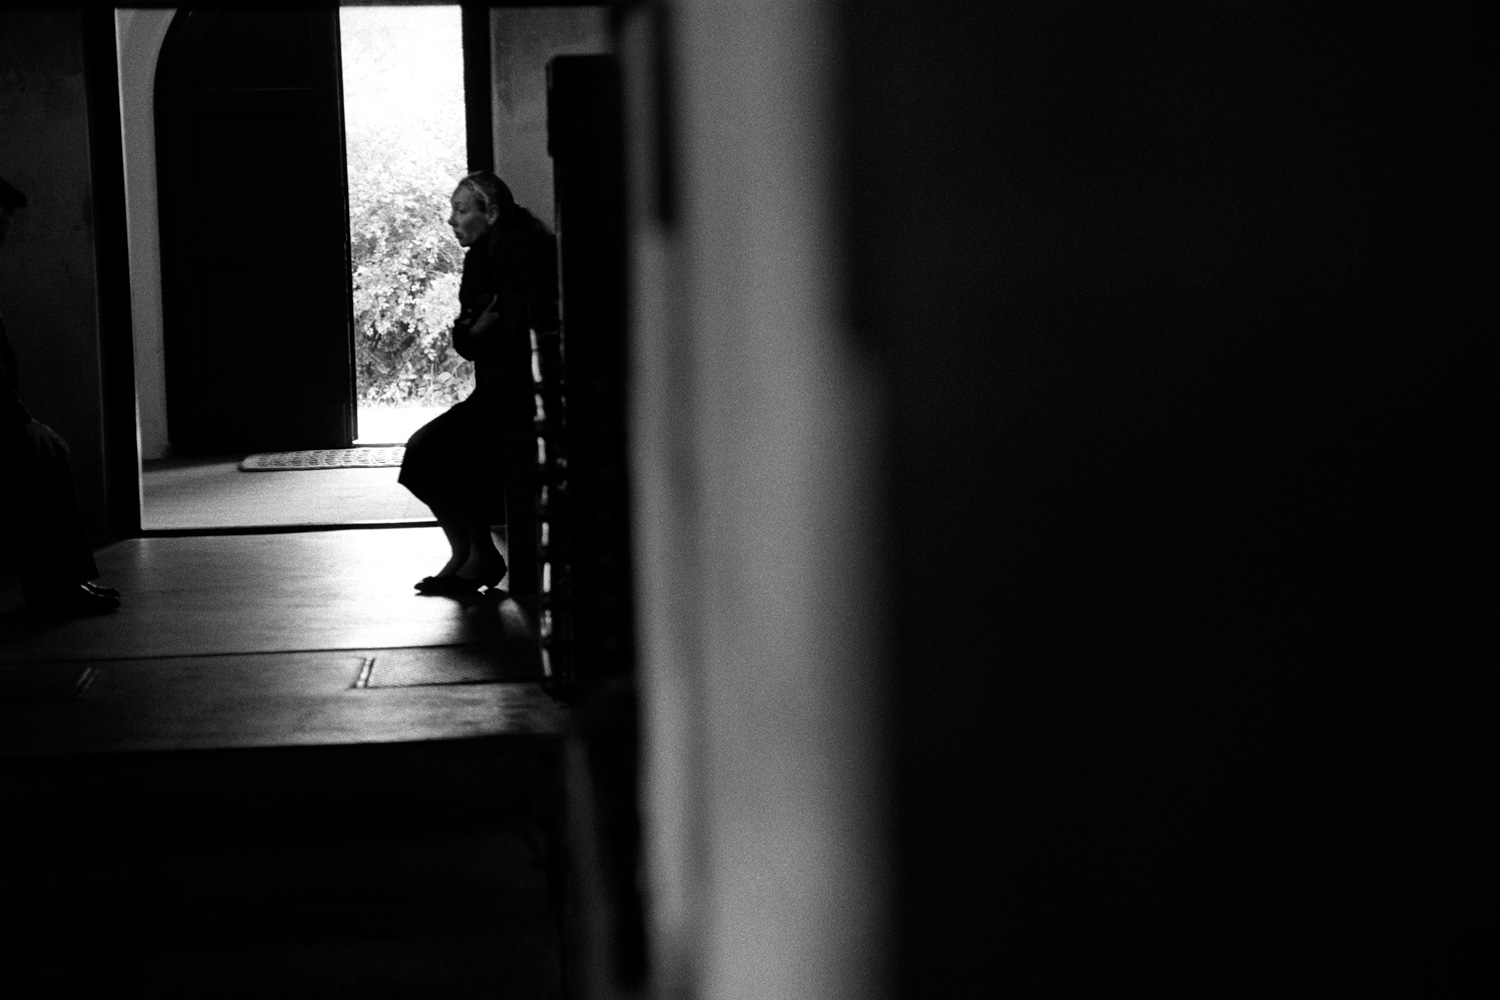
(254, 232)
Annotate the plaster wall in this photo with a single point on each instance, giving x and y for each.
(523, 40)
(47, 280)
(755, 481)
(139, 35)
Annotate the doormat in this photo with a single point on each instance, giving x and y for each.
(331, 458)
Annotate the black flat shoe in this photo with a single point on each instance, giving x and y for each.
(448, 585)
(73, 600)
(458, 584)
(102, 591)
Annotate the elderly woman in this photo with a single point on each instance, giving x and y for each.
(509, 288)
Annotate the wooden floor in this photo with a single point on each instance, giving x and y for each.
(201, 595)
(212, 492)
(195, 493)
(277, 771)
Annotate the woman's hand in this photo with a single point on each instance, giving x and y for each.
(485, 321)
(469, 335)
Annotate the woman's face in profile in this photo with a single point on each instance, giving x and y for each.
(468, 221)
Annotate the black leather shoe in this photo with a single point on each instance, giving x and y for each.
(104, 591)
(450, 585)
(76, 599)
(453, 583)
(447, 584)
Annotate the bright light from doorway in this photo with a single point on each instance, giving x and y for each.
(404, 134)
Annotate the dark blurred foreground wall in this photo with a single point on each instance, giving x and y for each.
(1173, 305)
(1051, 427)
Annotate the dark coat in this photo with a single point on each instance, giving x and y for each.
(454, 460)
(518, 265)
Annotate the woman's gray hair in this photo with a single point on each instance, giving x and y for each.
(489, 191)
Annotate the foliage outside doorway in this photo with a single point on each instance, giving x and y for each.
(404, 129)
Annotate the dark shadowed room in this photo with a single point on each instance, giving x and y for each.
(689, 499)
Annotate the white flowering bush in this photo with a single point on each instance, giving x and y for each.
(404, 135)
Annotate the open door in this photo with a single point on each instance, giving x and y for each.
(254, 225)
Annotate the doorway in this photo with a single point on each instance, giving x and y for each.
(347, 127)
(501, 57)
(404, 134)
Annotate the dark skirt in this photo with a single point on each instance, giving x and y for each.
(454, 459)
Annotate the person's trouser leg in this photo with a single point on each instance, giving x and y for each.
(42, 515)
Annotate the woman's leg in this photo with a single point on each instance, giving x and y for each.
(458, 540)
(429, 454)
(484, 561)
(439, 471)
(40, 504)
